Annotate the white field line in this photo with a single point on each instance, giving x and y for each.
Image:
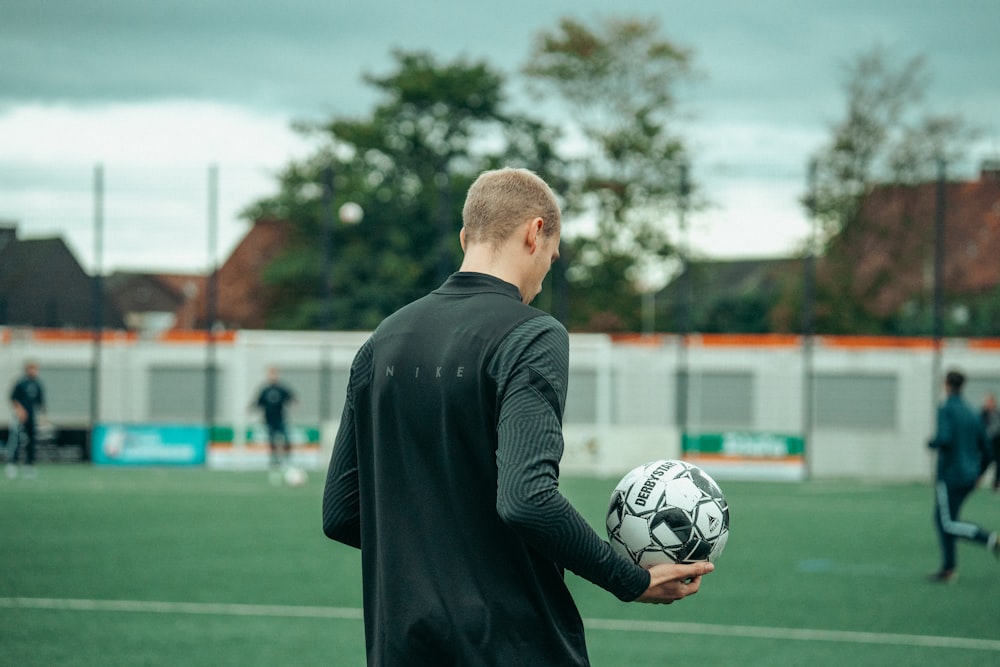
(804, 634)
(660, 627)
(220, 609)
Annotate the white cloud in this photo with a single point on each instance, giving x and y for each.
(172, 133)
(753, 218)
(155, 160)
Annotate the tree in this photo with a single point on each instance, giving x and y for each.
(886, 137)
(408, 165)
(618, 81)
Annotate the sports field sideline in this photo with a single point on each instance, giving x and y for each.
(195, 567)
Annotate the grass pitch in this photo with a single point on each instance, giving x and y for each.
(196, 567)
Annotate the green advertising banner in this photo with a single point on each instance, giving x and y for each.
(253, 452)
(257, 434)
(747, 454)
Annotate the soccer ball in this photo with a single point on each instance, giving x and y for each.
(668, 512)
(295, 476)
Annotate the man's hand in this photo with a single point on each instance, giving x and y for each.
(670, 582)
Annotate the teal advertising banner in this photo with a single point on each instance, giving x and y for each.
(149, 444)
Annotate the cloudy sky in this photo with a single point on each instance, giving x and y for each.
(157, 92)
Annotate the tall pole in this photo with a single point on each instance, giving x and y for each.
(939, 214)
(940, 209)
(326, 294)
(686, 298)
(326, 280)
(809, 319)
(97, 300)
(444, 225)
(649, 310)
(211, 298)
(560, 288)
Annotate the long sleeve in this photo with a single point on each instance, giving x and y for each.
(341, 501)
(531, 368)
(944, 432)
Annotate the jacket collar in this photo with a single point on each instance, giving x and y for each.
(469, 282)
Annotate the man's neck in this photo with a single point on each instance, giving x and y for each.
(481, 260)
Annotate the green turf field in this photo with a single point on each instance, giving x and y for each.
(193, 567)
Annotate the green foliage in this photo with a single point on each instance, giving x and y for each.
(436, 127)
(408, 165)
(618, 82)
(747, 313)
(885, 137)
(600, 300)
(867, 144)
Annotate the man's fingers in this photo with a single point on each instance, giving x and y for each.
(699, 569)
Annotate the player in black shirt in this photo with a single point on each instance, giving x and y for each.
(445, 467)
(273, 398)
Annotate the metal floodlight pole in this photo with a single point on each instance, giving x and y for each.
(648, 311)
(940, 209)
(939, 214)
(326, 286)
(211, 297)
(687, 320)
(444, 224)
(808, 317)
(686, 304)
(560, 287)
(326, 292)
(97, 302)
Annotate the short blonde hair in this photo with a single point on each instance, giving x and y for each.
(501, 199)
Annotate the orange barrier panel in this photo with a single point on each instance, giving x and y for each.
(877, 342)
(79, 335)
(747, 340)
(196, 336)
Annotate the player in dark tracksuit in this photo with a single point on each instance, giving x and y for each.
(962, 450)
(28, 401)
(445, 467)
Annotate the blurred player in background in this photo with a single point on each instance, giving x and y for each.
(27, 400)
(445, 469)
(271, 400)
(962, 451)
(991, 422)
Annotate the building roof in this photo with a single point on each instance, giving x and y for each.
(142, 292)
(43, 285)
(893, 253)
(241, 301)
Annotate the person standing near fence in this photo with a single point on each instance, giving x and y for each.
(991, 422)
(27, 400)
(271, 400)
(962, 450)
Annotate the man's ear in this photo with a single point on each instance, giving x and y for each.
(534, 230)
(461, 238)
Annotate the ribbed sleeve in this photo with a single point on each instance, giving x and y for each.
(531, 369)
(341, 501)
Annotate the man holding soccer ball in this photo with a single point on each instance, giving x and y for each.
(445, 467)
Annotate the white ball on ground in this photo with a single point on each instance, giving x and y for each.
(295, 476)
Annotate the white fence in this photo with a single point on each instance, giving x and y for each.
(865, 407)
